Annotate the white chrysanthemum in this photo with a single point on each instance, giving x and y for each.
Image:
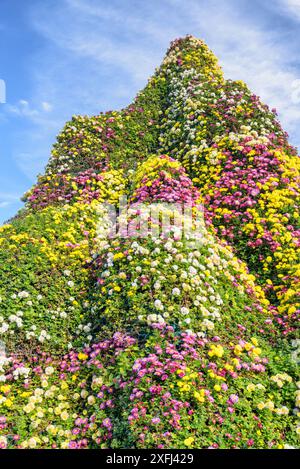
(23, 294)
(49, 370)
(158, 305)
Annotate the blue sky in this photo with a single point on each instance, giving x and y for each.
(65, 57)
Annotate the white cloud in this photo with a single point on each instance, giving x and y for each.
(107, 35)
(24, 109)
(7, 199)
(292, 7)
(47, 106)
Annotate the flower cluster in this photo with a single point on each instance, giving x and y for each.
(42, 299)
(162, 179)
(183, 277)
(86, 186)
